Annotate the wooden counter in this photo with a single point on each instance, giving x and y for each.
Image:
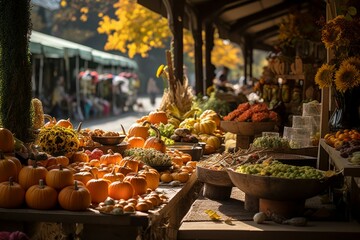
(96, 225)
(197, 224)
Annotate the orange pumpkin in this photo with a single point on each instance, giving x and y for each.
(138, 182)
(152, 177)
(155, 142)
(59, 178)
(83, 177)
(62, 160)
(135, 142)
(114, 176)
(30, 175)
(51, 121)
(64, 123)
(74, 198)
(41, 197)
(80, 156)
(131, 163)
(139, 130)
(110, 158)
(121, 190)
(156, 117)
(7, 143)
(8, 168)
(11, 194)
(98, 188)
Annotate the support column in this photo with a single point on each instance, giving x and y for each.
(196, 30)
(175, 10)
(209, 45)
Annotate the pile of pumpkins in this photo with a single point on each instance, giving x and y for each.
(206, 127)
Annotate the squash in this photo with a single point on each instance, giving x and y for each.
(59, 178)
(139, 130)
(64, 123)
(83, 177)
(152, 177)
(110, 158)
(30, 175)
(114, 176)
(98, 188)
(135, 142)
(74, 198)
(157, 117)
(41, 197)
(8, 168)
(210, 140)
(7, 141)
(80, 156)
(212, 115)
(11, 194)
(206, 126)
(121, 190)
(155, 142)
(138, 182)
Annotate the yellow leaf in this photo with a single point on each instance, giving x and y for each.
(212, 214)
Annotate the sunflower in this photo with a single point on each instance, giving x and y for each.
(355, 61)
(160, 70)
(324, 75)
(347, 77)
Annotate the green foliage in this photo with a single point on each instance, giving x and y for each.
(15, 68)
(212, 103)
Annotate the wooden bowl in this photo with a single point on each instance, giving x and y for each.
(279, 189)
(108, 140)
(215, 177)
(194, 150)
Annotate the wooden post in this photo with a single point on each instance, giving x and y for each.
(209, 44)
(175, 9)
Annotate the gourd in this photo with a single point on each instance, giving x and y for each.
(74, 198)
(121, 190)
(131, 163)
(206, 126)
(41, 196)
(139, 130)
(98, 189)
(83, 177)
(110, 158)
(114, 176)
(155, 142)
(156, 117)
(212, 115)
(59, 178)
(64, 123)
(11, 194)
(7, 143)
(7, 168)
(30, 175)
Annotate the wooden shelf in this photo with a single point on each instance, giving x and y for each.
(341, 164)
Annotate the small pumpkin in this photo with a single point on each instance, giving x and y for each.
(152, 177)
(7, 143)
(64, 123)
(110, 158)
(211, 140)
(80, 156)
(98, 188)
(138, 182)
(41, 196)
(131, 163)
(135, 142)
(157, 117)
(139, 130)
(121, 190)
(51, 121)
(155, 142)
(63, 160)
(59, 178)
(11, 194)
(30, 175)
(83, 177)
(114, 176)
(211, 114)
(8, 168)
(74, 198)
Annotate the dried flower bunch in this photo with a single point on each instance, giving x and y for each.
(342, 35)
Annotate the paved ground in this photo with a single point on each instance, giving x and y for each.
(126, 119)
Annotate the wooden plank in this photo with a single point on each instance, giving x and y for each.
(250, 230)
(341, 164)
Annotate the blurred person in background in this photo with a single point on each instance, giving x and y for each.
(152, 90)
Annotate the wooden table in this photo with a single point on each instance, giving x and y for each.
(329, 158)
(241, 226)
(96, 225)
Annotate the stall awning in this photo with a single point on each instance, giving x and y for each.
(54, 47)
